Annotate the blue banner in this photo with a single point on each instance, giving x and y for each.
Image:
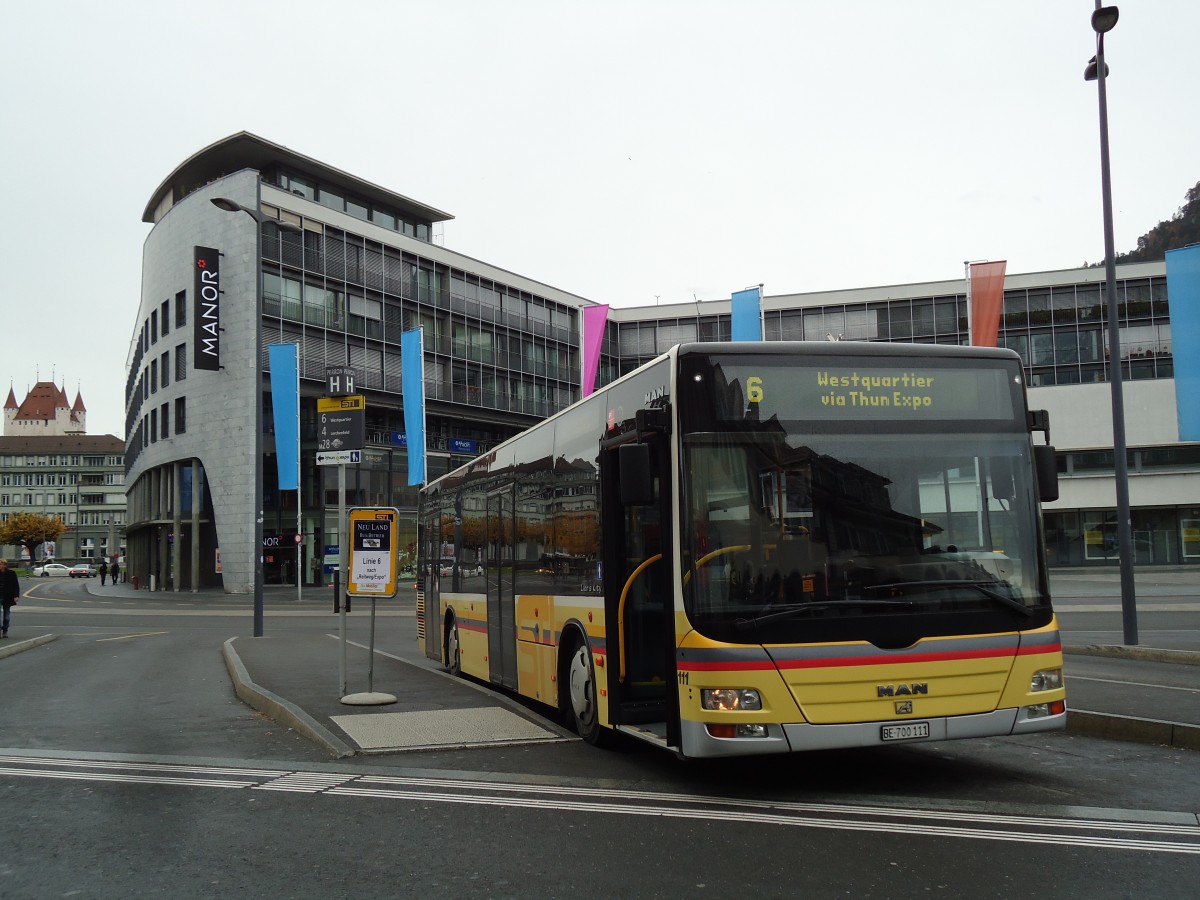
(747, 315)
(285, 406)
(412, 377)
(1183, 299)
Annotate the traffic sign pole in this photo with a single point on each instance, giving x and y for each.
(345, 575)
(299, 539)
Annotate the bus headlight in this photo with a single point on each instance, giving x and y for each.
(728, 699)
(1046, 680)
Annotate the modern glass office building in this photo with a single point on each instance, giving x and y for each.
(355, 264)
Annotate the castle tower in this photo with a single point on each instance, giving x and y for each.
(46, 410)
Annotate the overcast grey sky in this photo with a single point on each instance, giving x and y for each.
(622, 150)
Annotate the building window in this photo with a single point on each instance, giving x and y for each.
(181, 309)
(181, 362)
(332, 199)
(166, 368)
(164, 421)
(153, 426)
(165, 317)
(153, 326)
(180, 415)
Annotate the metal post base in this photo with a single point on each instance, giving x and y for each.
(371, 698)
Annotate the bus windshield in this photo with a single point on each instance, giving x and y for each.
(858, 526)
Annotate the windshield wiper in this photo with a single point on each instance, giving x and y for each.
(980, 586)
(814, 606)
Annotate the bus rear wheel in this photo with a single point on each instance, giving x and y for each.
(581, 686)
(453, 651)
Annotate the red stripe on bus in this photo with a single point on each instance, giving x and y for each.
(734, 665)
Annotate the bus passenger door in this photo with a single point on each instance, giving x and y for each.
(501, 614)
(639, 603)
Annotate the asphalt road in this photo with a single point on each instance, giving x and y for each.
(128, 768)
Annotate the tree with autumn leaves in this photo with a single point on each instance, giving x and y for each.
(30, 530)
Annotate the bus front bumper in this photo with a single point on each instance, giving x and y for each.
(794, 737)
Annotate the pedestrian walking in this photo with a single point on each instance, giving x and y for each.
(10, 590)
(116, 571)
(103, 572)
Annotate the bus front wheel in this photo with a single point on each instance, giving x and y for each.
(581, 681)
(453, 653)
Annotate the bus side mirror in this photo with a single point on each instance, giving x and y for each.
(1046, 464)
(637, 481)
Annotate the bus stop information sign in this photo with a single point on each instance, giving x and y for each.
(372, 552)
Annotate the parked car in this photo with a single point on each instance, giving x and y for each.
(82, 570)
(51, 570)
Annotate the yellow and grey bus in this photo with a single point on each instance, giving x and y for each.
(747, 548)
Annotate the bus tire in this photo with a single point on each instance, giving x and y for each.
(581, 697)
(453, 649)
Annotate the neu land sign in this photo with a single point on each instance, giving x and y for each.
(372, 551)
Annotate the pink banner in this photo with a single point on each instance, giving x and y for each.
(594, 320)
(987, 299)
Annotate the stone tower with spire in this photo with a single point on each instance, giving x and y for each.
(45, 411)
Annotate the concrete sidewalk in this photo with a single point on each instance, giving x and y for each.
(294, 680)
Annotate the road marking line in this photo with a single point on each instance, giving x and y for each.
(1122, 834)
(126, 637)
(1165, 687)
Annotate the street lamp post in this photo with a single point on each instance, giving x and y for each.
(228, 205)
(1103, 20)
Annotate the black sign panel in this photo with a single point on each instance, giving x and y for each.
(341, 423)
(206, 310)
(339, 381)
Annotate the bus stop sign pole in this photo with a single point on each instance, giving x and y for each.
(372, 571)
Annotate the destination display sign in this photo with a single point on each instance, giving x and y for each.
(873, 392)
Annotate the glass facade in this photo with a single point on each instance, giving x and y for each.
(345, 300)
(1059, 332)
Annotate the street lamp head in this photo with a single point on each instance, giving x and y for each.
(1104, 19)
(233, 206)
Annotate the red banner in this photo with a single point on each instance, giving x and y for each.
(987, 298)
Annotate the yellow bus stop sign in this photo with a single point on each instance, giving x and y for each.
(373, 552)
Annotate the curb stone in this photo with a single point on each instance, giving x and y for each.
(275, 707)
